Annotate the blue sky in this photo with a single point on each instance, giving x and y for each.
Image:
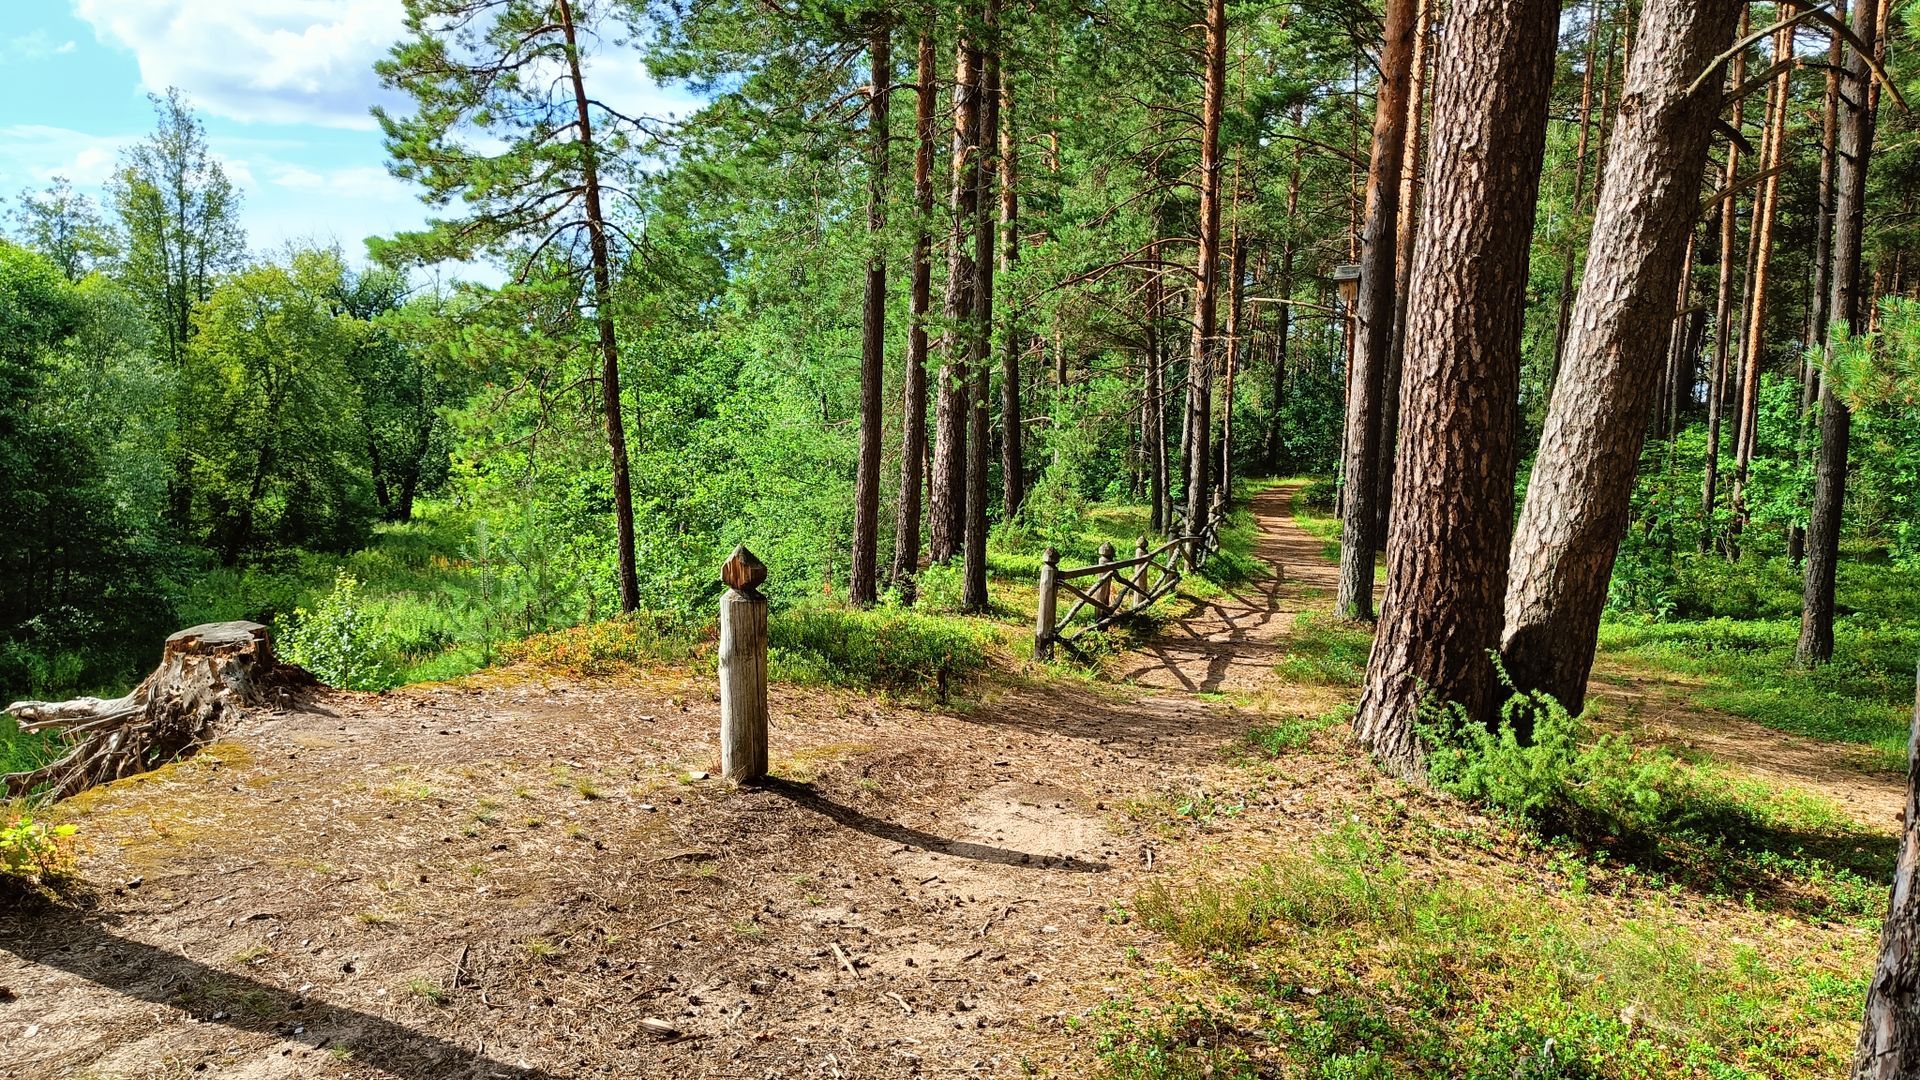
(284, 87)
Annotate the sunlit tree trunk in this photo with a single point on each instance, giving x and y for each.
(913, 427)
(1283, 321)
(1013, 475)
(1847, 308)
(1580, 490)
(1570, 246)
(951, 411)
(603, 324)
(1206, 268)
(1447, 554)
(1766, 212)
(1723, 314)
(1373, 324)
(973, 591)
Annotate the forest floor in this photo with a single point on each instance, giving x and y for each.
(504, 876)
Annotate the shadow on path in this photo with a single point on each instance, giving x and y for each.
(804, 796)
(80, 944)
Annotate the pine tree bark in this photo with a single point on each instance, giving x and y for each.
(1723, 314)
(1845, 303)
(1409, 234)
(1013, 456)
(1889, 1046)
(973, 590)
(1206, 269)
(913, 426)
(1373, 325)
(1582, 482)
(863, 585)
(1236, 297)
(1448, 550)
(1822, 263)
(602, 260)
(951, 409)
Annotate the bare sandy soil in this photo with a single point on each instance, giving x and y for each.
(524, 877)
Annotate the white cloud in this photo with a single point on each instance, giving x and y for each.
(32, 154)
(35, 45)
(310, 61)
(274, 61)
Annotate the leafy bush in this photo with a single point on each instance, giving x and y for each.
(886, 647)
(1564, 778)
(337, 640)
(33, 854)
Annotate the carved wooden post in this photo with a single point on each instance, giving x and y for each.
(1103, 592)
(1889, 1046)
(743, 669)
(1140, 550)
(1049, 595)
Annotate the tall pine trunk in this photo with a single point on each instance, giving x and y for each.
(1206, 269)
(1570, 245)
(1847, 309)
(1373, 325)
(1766, 211)
(951, 410)
(1409, 233)
(973, 589)
(1447, 554)
(603, 325)
(913, 425)
(1723, 314)
(1013, 458)
(1582, 482)
(863, 586)
(1236, 298)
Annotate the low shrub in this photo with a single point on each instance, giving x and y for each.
(889, 648)
(1648, 805)
(34, 855)
(609, 646)
(337, 640)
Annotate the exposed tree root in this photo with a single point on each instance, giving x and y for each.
(206, 674)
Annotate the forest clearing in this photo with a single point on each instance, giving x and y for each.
(1218, 540)
(511, 874)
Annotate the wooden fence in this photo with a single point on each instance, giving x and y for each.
(1116, 588)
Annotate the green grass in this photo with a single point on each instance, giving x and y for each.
(1734, 625)
(1344, 961)
(1325, 651)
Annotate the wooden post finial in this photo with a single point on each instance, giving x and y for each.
(743, 570)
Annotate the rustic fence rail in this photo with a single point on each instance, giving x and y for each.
(1118, 587)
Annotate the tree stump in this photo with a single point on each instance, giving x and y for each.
(206, 674)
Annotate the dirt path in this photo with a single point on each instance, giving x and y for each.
(1232, 643)
(504, 878)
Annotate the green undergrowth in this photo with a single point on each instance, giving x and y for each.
(1348, 960)
(1692, 822)
(1325, 651)
(1745, 667)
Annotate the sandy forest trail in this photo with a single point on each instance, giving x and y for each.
(1232, 643)
(506, 877)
